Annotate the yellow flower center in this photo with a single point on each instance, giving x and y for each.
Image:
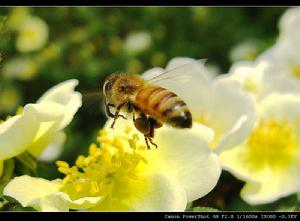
(30, 33)
(272, 143)
(296, 71)
(106, 170)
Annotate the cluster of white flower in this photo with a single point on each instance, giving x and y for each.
(268, 160)
(246, 122)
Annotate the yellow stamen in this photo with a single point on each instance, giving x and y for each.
(78, 187)
(80, 161)
(62, 164)
(104, 168)
(63, 170)
(94, 187)
(272, 143)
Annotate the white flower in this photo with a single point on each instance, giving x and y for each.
(265, 75)
(277, 70)
(123, 175)
(136, 43)
(284, 59)
(284, 55)
(218, 103)
(246, 50)
(39, 124)
(289, 23)
(32, 35)
(269, 159)
(22, 68)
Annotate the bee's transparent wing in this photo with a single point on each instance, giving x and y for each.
(92, 103)
(178, 75)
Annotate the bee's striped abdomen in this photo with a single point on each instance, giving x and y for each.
(165, 106)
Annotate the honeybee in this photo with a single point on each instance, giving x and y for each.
(151, 105)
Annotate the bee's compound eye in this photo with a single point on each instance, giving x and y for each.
(121, 89)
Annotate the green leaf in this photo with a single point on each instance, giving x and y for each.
(8, 170)
(2, 21)
(287, 204)
(28, 161)
(189, 206)
(13, 205)
(202, 209)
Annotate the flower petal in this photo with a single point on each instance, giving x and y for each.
(186, 155)
(149, 193)
(281, 106)
(65, 95)
(277, 185)
(235, 120)
(54, 149)
(30, 192)
(249, 74)
(50, 116)
(280, 84)
(44, 195)
(290, 20)
(183, 153)
(24, 127)
(235, 161)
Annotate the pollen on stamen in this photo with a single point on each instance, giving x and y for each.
(107, 163)
(62, 164)
(78, 187)
(64, 170)
(93, 149)
(80, 161)
(94, 187)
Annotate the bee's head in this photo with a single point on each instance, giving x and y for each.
(108, 86)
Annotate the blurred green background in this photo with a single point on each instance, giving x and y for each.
(40, 47)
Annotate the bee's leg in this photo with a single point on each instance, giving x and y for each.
(110, 114)
(117, 114)
(148, 138)
(151, 141)
(146, 141)
(153, 124)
